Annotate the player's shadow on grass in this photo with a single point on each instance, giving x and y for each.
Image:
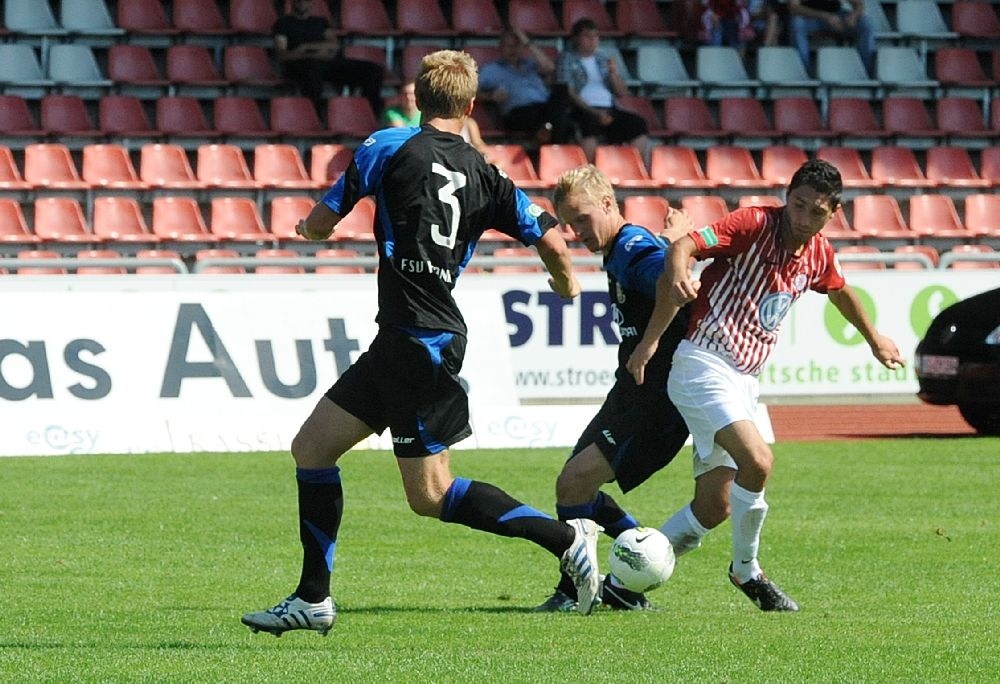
(378, 610)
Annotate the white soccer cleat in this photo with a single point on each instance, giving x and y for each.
(293, 613)
(580, 563)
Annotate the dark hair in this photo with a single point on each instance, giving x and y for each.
(581, 25)
(821, 176)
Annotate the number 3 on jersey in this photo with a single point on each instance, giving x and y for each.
(446, 194)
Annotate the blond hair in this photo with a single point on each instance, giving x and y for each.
(447, 83)
(587, 181)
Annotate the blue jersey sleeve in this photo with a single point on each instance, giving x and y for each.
(532, 220)
(370, 160)
(637, 259)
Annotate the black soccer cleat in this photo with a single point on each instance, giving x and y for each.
(764, 593)
(620, 598)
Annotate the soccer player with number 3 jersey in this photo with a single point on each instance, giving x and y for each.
(763, 259)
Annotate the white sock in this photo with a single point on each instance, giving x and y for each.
(684, 531)
(749, 510)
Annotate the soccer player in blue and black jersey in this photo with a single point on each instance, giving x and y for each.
(637, 431)
(435, 196)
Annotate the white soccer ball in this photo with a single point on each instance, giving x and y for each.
(642, 559)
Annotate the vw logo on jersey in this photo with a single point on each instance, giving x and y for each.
(799, 282)
(534, 210)
(632, 243)
(773, 309)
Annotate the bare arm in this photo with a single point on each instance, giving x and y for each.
(883, 348)
(554, 253)
(674, 289)
(319, 224)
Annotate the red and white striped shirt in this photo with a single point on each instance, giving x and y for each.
(752, 282)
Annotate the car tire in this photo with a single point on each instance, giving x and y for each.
(984, 419)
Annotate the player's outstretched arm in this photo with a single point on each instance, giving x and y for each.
(883, 348)
(554, 253)
(674, 289)
(319, 224)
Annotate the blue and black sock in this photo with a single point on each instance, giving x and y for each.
(321, 506)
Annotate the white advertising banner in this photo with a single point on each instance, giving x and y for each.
(234, 363)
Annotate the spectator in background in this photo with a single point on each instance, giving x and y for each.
(726, 22)
(406, 113)
(592, 82)
(808, 17)
(518, 84)
(310, 55)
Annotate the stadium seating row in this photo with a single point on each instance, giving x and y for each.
(931, 218)
(965, 18)
(348, 261)
(109, 166)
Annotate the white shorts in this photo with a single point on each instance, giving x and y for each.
(710, 394)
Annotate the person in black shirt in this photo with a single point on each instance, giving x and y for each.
(637, 431)
(435, 197)
(309, 53)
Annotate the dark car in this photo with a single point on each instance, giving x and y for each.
(958, 361)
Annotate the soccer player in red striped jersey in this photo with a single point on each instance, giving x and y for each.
(764, 258)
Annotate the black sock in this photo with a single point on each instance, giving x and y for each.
(321, 505)
(482, 506)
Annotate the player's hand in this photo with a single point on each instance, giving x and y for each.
(685, 291)
(886, 351)
(568, 290)
(636, 364)
(302, 229)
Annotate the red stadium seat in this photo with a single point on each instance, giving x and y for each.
(799, 117)
(955, 260)
(166, 165)
(476, 18)
(952, 166)
(595, 10)
(119, 218)
(760, 201)
(192, 65)
(280, 166)
(182, 117)
(239, 117)
(880, 216)
(778, 163)
(16, 118)
(853, 118)
(975, 19)
(66, 116)
(50, 165)
(61, 219)
(704, 209)
(34, 260)
(200, 17)
(286, 211)
(236, 218)
(179, 218)
(981, 211)
(553, 160)
(10, 174)
(642, 18)
(366, 18)
(359, 224)
(124, 116)
(89, 254)
(867, 265)
(296, 116)
(249, 65)
(531, 263)
(623, 166)
(690, 117)
(926, 250)
(223, 166)
(962, 118)
(151, 254)
(909, 117)
(514, 161)
(109, 166)
(851, 166)
(535, 17)
(203, 256)
(898, 167)
(253, 17)
(744, 117)
(338, 253)
(936, 216)
(643, 106)
(989, 165)
(678, 166)
(351, 116)
(328, 161)
(734, 166)
(422, 18)
(264, 254)
(134, 64)
(144, 17)
(13, 226)
(648, 211)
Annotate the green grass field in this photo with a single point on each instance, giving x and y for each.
(137, 569)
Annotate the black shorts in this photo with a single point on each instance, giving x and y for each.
(409, 383)
(638, 430)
